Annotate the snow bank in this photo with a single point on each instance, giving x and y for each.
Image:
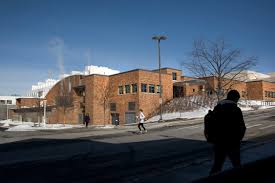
(184, 115)
(31, 126)
(28, 127)
(104, 127)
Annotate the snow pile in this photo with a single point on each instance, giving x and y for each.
(184, 115)
(31, 126)
(245, 105)
(104, 127)
(28, 127)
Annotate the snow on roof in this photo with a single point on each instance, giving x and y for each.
(248, 75)
(92, 69)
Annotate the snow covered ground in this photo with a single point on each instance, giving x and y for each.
(31, 126)
(246, 105)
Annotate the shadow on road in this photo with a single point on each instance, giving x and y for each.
(83, 160)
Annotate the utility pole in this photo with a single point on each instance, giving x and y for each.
(158, 38)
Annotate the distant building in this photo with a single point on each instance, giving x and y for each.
(6, 103)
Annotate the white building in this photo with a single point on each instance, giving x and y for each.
(42, 88)
(8, 100)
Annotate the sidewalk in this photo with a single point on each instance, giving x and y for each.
(258, 164)
(99, 131)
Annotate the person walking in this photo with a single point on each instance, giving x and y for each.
(229, 131)
(86, 120)
(140, 119)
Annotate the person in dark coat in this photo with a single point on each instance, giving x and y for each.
(86, 120)
(230, 129)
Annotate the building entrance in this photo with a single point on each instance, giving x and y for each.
(178, 91)
(115, 118)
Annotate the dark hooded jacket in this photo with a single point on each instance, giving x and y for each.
(230, 126)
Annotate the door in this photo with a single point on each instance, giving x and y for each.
(115, 118)
(177, 91)
(130, 117)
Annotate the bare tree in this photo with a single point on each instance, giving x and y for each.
(64, 99)
(105, 94)
(218, 59)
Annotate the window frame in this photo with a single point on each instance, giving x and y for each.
(127, 89)
(9, 102)
(113, 106)
(131, 106)
(142, 87)
(151, 88)
(174, 76)
(120, 90)
(134, 88)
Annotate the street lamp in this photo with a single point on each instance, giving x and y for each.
(158, 38)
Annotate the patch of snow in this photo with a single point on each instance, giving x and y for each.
(246, 108)
(184, 115)
(28, 127)
(266, 107)
(31, 126)
(104, 127)
(21, 128)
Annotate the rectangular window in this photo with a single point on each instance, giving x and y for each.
(9, 101)
(113, 106)
(194, 90)
(174, 75)
(143, 87)
(158, 89)
(265, 93)
(120, 90)
(151, 88)
(127, 89)
(268, 94)
(134, 88)
(131, 106)
(2, 102)
(243, 93)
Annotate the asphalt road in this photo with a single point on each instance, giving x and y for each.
(123, 157)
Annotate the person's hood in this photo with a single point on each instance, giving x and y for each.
(226, 102)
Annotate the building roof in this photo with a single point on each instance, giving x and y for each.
(193, 81)
(166, 68)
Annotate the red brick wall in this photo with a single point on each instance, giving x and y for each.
(72, 112)
(27, 102)
(268, 87)
(149, 102)
(254, 90)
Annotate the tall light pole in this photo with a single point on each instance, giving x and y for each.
(158, 38)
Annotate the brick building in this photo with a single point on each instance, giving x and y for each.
(261, 90)
(116, 99)
(113, 99)
(212, 83)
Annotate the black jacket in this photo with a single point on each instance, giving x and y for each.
(230, 126)
(86, 119)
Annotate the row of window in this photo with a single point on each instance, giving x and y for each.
(133, 88)
(5, 102)
(270, 94)
(131, 106)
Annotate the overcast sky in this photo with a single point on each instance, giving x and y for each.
(42, 36)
